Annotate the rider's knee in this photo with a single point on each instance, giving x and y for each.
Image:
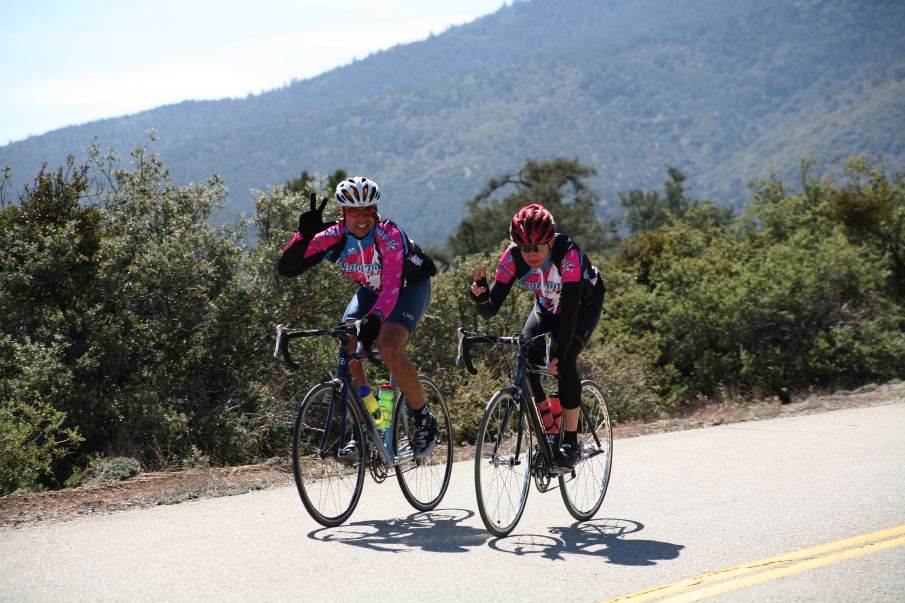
(391, 352)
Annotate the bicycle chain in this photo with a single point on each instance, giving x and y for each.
(376, 467)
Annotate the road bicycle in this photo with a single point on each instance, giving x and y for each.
(330, 479)
(507, 456)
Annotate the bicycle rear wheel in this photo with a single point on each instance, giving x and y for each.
(584, 488)
(502, 464)
(329, 487)
(424, 481)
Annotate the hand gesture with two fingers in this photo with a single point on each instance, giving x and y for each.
(480, 289)
(312, 222)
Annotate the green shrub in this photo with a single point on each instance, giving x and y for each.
(103, 470)
(34, 435)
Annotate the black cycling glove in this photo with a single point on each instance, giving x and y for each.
(482, 298)
(368, 330)
(312, 221)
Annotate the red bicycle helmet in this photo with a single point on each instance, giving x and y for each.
(532, 225)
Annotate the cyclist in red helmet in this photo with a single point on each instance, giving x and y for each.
(569, 294)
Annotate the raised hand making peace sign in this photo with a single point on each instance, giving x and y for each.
(480, 290)
(312, 221)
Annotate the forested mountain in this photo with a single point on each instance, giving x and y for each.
(726, 91)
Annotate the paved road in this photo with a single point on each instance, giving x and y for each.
(680, 505)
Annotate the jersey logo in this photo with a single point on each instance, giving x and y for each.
(359, 267)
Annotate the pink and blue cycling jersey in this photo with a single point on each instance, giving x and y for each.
(384, 261)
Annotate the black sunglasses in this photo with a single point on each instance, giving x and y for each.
(531, 248)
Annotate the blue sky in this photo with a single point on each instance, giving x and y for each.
(65, 63)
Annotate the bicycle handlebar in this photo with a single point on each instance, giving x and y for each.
(467, 339)
(340, 332)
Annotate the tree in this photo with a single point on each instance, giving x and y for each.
(871, 208)
(300, 184)
(48, 264)
(172, 326)
(125, 320)
(647, 211)
(559, 185)
(306, 182)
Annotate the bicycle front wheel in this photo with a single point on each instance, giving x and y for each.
(502, 464)
(330, 485)
(424, 481)
(584, 488)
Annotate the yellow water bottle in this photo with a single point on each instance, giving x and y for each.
(370, 400)
(386, 394)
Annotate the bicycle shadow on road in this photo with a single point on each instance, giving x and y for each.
(600, 538)
(438, 531)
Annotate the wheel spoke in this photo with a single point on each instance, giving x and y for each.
(424, 481)
(329, 488)
(583, 494)
(502, 487)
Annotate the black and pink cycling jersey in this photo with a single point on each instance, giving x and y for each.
(565, 264)
(547, 281)
(566, 281)
(384, 261)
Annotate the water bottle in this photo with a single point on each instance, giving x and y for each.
(386, 394)
(551, 413)
(370, 400)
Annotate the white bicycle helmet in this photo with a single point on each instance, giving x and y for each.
(357, 192)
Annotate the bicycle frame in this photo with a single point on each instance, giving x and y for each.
(348, 391)
(342, 381)
(505, 459)
(330, 469)
(521, 388)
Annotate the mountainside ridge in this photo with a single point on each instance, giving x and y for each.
(725, 91)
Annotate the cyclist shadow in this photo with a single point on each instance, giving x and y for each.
(439, 531)
(599, 538)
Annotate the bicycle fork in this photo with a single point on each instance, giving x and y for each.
(513, 460)
(338, 387)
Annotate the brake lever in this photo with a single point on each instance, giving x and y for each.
(276, 347)
(548, 344)
(463, 355)
(282, 346)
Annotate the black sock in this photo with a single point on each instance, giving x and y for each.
(570, 437)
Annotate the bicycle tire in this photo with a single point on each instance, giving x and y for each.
(424, 481)
(330, 489)
(584, 488)
(501, 485)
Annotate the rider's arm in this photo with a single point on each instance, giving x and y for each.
(389, 242)
(300, 253)
(498, 293)
(569, 302)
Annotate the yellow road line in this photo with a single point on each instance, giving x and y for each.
(780, 572)
(737, 576)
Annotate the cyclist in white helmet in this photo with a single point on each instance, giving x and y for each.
(394, 289)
